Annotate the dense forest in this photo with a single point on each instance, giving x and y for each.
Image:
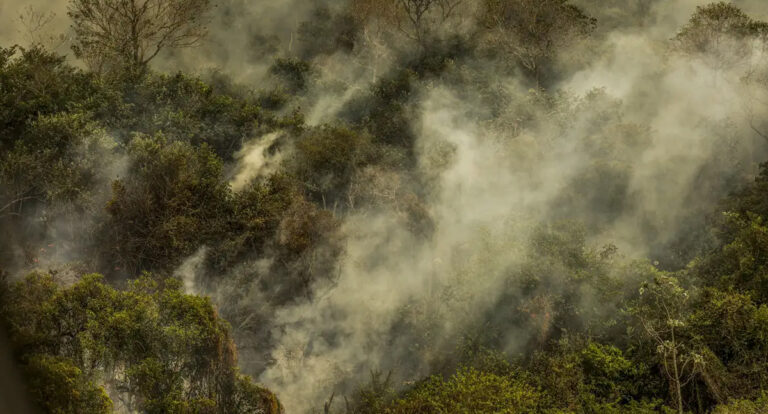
(384, 206)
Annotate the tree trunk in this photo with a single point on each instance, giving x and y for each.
(677, 375)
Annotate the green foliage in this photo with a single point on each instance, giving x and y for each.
(738, 263)
(759, 406)
(295, 74)
(36, 83)
(326, 158)
(325, 32)
(532, 32)
(252, 398)
(585, 376)
(387, 115)
(53, 155)
(59, 160)
(374, 397)
(257, 212)
(185, 108)
(718, 31)
(663, 310)
(609, 374)
(596, 332)
(471, 391)
(152, 346)
(171, 202)
(750, 198)
(56, 385)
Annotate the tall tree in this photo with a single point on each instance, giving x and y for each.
(422, 17)
(130, 33)
(663, 311)
(532, 31)
(722, 34)
(417, 20)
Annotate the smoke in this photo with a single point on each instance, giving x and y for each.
(189, 271)
(387, 267)
(244, 37)
(639, 145)
(55, 236)
(665, 135)
(255, 161)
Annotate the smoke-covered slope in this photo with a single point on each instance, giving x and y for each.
(406, 206)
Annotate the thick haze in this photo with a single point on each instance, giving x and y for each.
(482, 185)
(639, 120)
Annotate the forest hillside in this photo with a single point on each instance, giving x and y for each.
(369, 206)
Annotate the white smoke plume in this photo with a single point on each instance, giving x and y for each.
(486, 184)
(655, 120)
(255, 161)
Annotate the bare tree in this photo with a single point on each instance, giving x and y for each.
(37, 28)
(130, 33)
(417, 20)
(423, 17)
(374, 17)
